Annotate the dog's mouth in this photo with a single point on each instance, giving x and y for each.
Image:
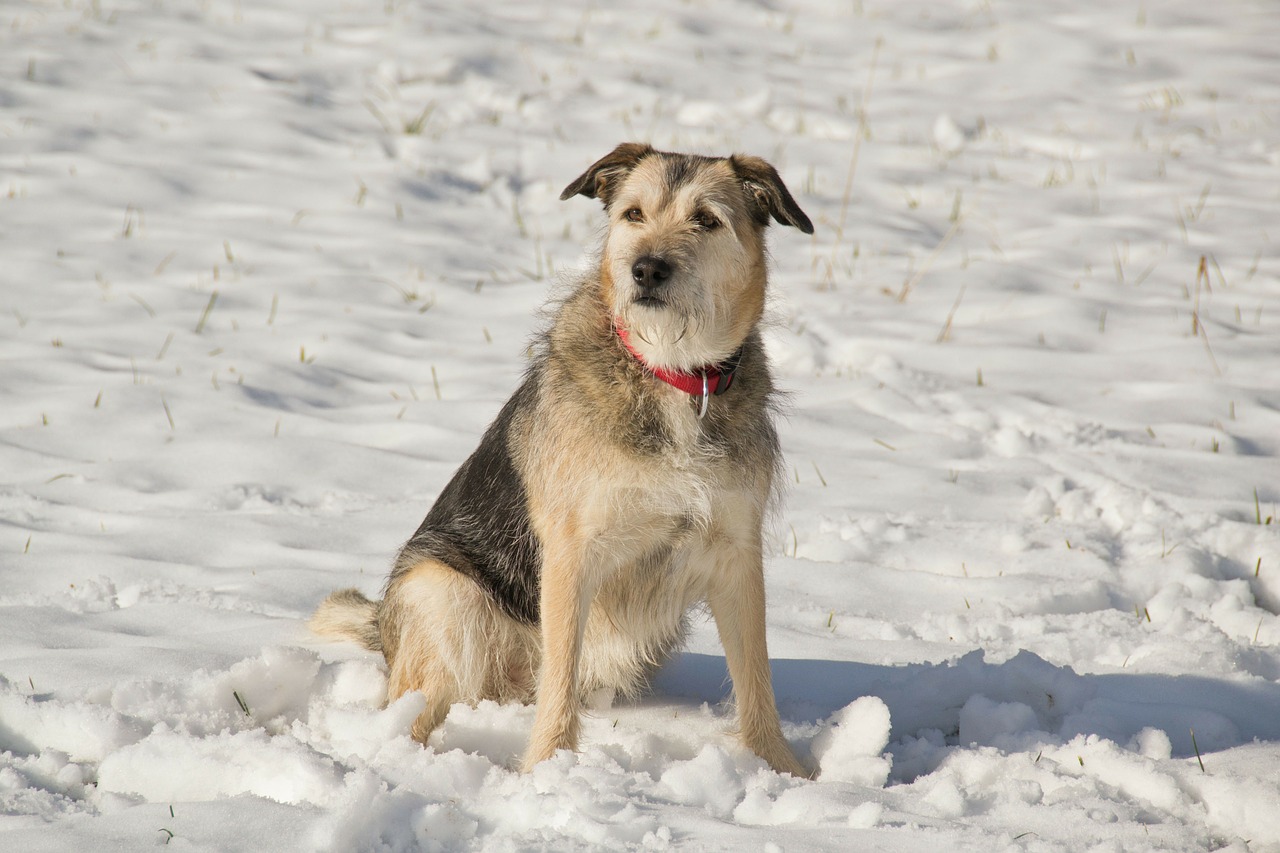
(650, 301)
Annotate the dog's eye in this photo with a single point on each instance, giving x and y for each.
(634, 215)
(705, 221)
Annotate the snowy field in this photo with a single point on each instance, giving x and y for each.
(268, 268)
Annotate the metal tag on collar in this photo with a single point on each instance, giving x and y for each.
(702, 410)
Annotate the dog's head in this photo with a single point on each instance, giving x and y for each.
(684, 264)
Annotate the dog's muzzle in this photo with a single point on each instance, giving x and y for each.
(650, 272)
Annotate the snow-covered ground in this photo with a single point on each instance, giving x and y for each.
(268, 268)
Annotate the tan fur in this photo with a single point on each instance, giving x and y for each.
(642, 509)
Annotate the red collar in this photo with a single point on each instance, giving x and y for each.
(711, 379)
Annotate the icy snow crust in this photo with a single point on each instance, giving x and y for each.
(269, 269)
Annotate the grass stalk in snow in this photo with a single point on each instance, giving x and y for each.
(1199, 208)
(1253, 269)
(945, 334)
(1196, 747)
(519, 220)
(1182, 224)
(1202, 277)
(1115, 259)
(857, 141)
(1213, 362)
(240, 701)
(928, 262)
(145, 307)
(132, 216)
(204, 315)
(167, 413)
(164, 347)
(1143, 275)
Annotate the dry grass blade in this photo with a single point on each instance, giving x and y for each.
(857, 141)
(204, 315)
(928, 262)
(945, 334)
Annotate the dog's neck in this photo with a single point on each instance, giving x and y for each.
(711, 379)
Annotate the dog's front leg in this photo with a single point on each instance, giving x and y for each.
(564, 602)
(736, 599)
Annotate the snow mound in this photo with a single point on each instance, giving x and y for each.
(851, 745)
(171, 766)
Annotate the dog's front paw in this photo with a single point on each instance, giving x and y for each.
(532, 759)
(777, 754)
(786, 762)
(547, 740)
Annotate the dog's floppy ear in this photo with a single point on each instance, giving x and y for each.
(605, 174)
(768, 194)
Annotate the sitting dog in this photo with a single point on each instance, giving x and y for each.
(624, 482)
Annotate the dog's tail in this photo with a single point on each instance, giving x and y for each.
(348, 614)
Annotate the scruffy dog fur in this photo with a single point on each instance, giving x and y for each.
(603, 503)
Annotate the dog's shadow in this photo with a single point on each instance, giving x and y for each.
(926, 698)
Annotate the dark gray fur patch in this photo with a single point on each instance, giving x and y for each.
(479, 525)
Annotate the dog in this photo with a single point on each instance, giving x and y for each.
(625, 482)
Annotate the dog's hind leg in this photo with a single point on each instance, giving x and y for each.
(410, 617)
(444, 637)
(427, 676)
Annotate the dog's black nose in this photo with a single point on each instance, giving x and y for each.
(650, 272)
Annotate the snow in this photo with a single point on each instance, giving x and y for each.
(270, 268)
